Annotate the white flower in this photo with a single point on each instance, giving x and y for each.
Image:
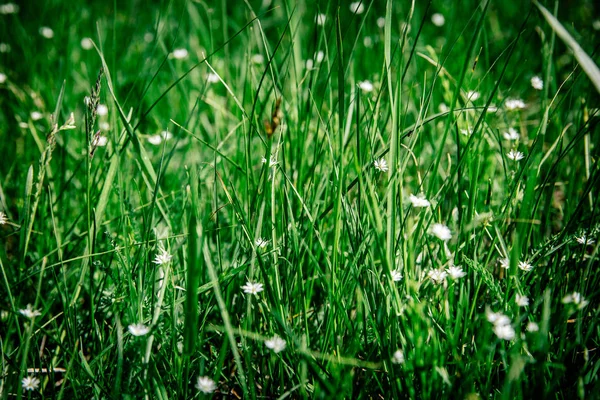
(320, 56)
(380, 165)
(502, 326)
(162, 258)
(30, 383)
(357, 7)
(504, 263)
(320, 19)
(2, 78)
(102, 110)
(309, 63)
(158, 138)
(456, 272)
(205, 384)
(148, 37)
(212, 78)
(438, 19)
(29, 312)
(525, 266)
(257, 58)
(441, 231)
(583, 239)
(368, 42)
(381, 22)
(4, 48)
(3, 218)
(365, 86)
(396, 275)
(512, 134)
(514, 104)
(537, 83)
(398, 357)
(521, 301)
(99, 141)
(253, 288)
(261, 243)
(505, 332)
(46, 32)
(87, 44)
(515, 155)
(276, 344)
(466, 132)
(104, 126)
(36, 115)
(9, 8)
(472, 95)
(532, 327)
(437, 276)
(419, 201)
(575, 298)
(180, 54)
(138, 329)
(596, 24)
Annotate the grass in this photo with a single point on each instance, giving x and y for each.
(267, 176)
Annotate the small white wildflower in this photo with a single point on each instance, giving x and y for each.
(473, 95)
(596, 24)
(46, 32)
(3, 218)
(138, 329)
(396, 275)
(23, 125)
(437, 276)
(381, 22)
(102, 110)
(441, 231)
(575, 298)
(455, 272)
(261, 243)
(380, 165)
(466, 132)
(320, 56)
(104, 126)
(522, 301)
(2, 78)
(398, 357)
(205, 384)
(30, 383)
(309, 63)
(438, 19)
(532, 327)
(148, 37)
(99, 141)
(36, 115)
(514, 104)
(87, 43)
(158, 138)
(320, 19)
(505, 332)
(368, 42)
(276, 344)
(257, 58)
(5, 48)
(443, 108)
(9, 8)
(515, 155)
(419, 201)
(366, 86)
(212, 78)
(583, 239)
(496, 317)
(504, 263)
(512, 134)
(29, 312)
(357, 7)
(163, 257)
(179, 54)
(525, 266)
(537, 83)
(252, 288)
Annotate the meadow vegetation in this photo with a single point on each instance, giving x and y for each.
(296, 199)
